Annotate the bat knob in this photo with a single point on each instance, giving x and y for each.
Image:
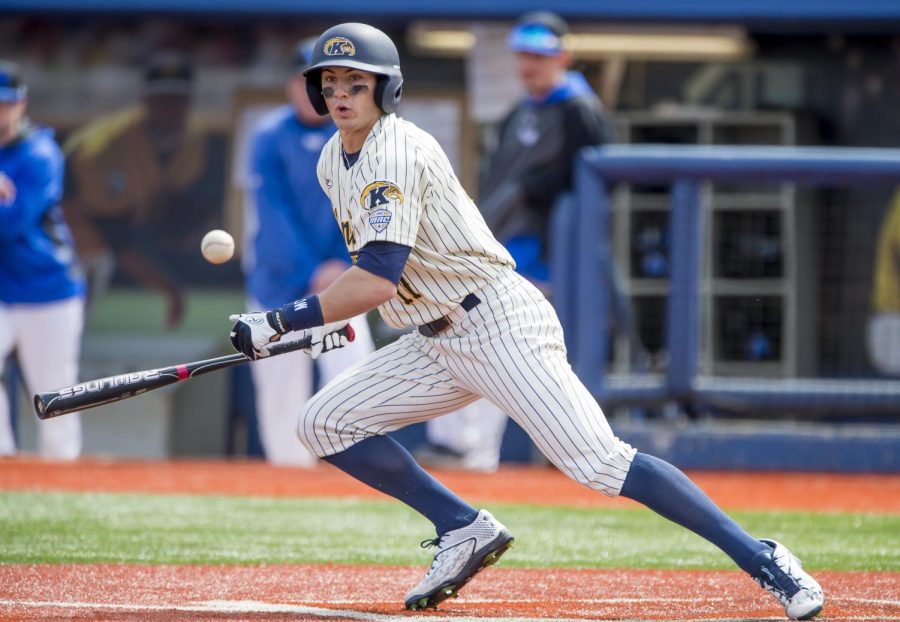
(39, 407)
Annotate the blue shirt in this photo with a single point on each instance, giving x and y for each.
(37, 257)
(574, 85)
(290, 224)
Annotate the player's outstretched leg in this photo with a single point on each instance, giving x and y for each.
(462, 553)
(468, 540)
(668, 492)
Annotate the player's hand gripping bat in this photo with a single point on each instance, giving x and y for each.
(114, 388)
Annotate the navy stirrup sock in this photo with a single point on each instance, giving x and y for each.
(383, 463)
(668, 492)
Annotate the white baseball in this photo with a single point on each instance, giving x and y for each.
(217, 246)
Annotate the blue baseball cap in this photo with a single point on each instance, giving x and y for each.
(302, 56)
(12, 88)
(541, 33)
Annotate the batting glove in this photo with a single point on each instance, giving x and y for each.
(252, 332)
(329, 337)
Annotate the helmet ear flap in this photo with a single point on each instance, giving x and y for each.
(314, 92)
(394, 92)
(380, 88)
(388, 91)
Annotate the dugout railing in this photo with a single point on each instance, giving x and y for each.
(584, 272)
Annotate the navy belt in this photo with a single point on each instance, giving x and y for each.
(436, 327)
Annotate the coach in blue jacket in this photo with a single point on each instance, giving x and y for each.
(293, 247)
(41, 286)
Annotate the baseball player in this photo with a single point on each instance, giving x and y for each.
(41, 286)
(425, 258)
(292, 248)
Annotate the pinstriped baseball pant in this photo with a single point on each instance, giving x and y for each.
(508, 349)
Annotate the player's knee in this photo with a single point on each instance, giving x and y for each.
(322, 425)
(310, 427)
(306, 440)
(606, 478)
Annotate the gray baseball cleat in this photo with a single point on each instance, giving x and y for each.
(462, 553)
(782, 575)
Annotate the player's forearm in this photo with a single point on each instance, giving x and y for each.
(356, 291)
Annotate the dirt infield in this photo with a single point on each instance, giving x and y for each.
(175, 593)
(332, 592)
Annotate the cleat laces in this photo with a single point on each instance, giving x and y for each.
(774, 578)
(427, 544)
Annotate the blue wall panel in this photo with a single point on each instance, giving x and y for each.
(796, 14)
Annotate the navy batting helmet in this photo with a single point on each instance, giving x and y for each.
(358, 46)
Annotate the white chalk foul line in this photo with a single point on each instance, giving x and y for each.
(250, 606)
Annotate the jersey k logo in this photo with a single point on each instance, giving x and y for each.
(380, 193)
(339, 46)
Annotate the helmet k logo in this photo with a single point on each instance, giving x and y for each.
(339, 46)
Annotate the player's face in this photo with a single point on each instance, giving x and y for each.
(540, 73)
(350, 97)
(10, 116)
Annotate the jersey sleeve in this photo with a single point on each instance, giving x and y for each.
(392, 202)
(320, 169)
(333, 244)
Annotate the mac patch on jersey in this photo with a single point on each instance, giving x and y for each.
(377, 198)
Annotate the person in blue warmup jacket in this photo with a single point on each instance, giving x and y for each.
(41, 285)
(292, 248)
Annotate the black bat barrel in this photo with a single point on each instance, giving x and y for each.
(114, 388)
(102, 391)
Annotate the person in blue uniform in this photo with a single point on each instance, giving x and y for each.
(41, 285)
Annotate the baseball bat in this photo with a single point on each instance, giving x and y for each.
(102, 391)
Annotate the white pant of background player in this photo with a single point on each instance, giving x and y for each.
(475, 432)
(47, 341)
(508, 349)
(284, 383)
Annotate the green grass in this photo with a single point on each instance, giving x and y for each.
(132, 528)
(141, 312)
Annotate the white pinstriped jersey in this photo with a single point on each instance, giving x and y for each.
(402, 189)
(508, 348)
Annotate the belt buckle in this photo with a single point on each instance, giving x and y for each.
(435, 327)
